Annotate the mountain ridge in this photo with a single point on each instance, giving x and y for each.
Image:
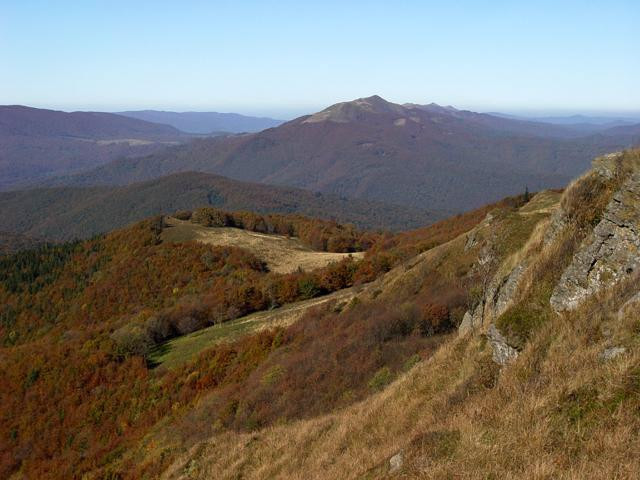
(37, 143)
(64, 213)
(205, 122)
(385, 152)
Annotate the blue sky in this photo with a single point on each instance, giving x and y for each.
(284, 58)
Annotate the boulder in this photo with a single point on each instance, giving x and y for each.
(395, 462)
(503, 353)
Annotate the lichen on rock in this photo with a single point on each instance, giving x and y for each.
(611, 254)
(503, 353)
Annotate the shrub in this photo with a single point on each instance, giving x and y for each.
(132, 340)
(381, 379)
(183, 215)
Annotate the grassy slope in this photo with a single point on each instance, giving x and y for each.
(435, 270)
(182, 349)
(64, 322)
(560, 411)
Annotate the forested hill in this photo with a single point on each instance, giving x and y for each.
(37, 143)
(68, 212)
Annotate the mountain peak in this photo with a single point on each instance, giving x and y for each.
(345, 112)
(432, 107)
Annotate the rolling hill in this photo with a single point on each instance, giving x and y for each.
(37, 143)
(369, 148)
(64, 213)
(205, 122)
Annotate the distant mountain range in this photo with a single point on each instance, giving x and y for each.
(36, 143)
(205, 122)
(584, 123)
(66, 212)
(424, 156)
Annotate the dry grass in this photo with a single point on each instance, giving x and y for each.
(559, 412)
(281, 254)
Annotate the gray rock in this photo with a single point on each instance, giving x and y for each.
(607, 165)
(626, 306)
(506, 291)
(466, 325)
(395, 462)
(497, 299)
(557, 224)
(503, 353)
(610, 255)
(613, 352)
(472, 241)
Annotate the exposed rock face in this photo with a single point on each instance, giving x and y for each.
(612, 254)
(557, 224)
(605, 166)
(467, 324)
(628, 305)
(503, 353)
(497, 299)
(472, 240)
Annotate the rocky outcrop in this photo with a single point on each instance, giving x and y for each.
(498, 297)
(611, 254)
(633, 302)
(503, 353)
(607, 165)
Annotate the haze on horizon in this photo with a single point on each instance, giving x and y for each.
(289, 58)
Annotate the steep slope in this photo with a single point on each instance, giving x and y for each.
(205, 122)
(65, 212)
(374, 149)
(532, 390)
(37, 143)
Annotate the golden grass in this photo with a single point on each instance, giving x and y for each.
(281, 254)
(530, 425)
(559, 412)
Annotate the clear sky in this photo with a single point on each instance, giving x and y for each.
(288, 57)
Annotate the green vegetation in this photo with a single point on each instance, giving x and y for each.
(381, 379)
(181, 349)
